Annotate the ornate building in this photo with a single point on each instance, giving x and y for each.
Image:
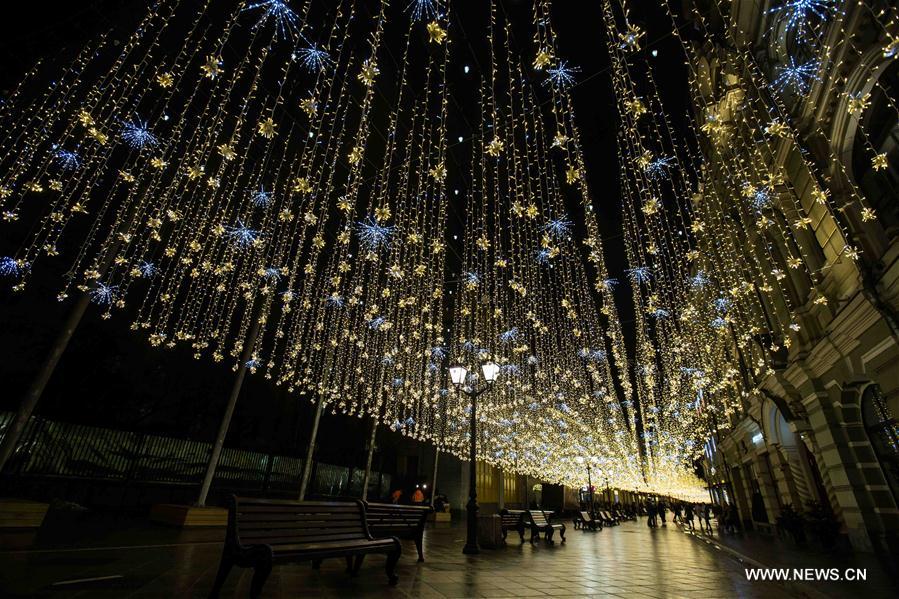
(819, 424)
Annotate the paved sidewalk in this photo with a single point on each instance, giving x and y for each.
(628, 561)
(756, 550)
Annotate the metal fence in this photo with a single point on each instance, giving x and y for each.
(59, 449)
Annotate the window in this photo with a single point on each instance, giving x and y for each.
(883, 432)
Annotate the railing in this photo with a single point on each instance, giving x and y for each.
(59, 449)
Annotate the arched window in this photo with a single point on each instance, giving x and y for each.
(880, 125)
(883, 432)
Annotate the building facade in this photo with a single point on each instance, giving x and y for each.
(819, 430)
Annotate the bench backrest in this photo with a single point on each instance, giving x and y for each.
(585, 516)
(539, 518)
(385, 519)
(277, 523)
(511, 517)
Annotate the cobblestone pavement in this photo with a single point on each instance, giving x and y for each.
(630, 561)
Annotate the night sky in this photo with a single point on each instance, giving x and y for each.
(111, 377)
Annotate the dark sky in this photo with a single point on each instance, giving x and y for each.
(110, 376)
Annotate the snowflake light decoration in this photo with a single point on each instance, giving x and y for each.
(509, 336)
(373, 235)
(272, 274)
(657, 168)
(558, 227)
(314, 58)
(423, 9)
(104, 294)
(471, 278)
(560, 76)
(137, 135)
(67, 160)
(10, 267)
(543, 256)
(639, 274)
(334, 301)
(147, 269)
(260, 198)
(376, 323)
(699, 280)
(797, 77)
(438, 353)
(242, 235)
(280, 14)
(801, 15)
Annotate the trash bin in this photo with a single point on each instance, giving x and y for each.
(490, 532)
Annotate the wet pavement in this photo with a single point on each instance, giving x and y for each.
(130, 558)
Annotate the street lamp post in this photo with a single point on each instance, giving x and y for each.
(581, 460)
(458, 374)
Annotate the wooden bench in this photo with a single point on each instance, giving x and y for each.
(262, 532)
(400, 521)
(585, 522)
(512, 520)
(607, 518)
(538, 523)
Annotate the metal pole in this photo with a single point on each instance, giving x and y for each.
(307, 465)
(434, 481)
(29, 402)
(471, 541)
(245, 357)
(371, 453)
(590, 490)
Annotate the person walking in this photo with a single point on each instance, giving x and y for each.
(662, 509)
(708, 518)
(688, 515)
(651, 515)
(676, 509)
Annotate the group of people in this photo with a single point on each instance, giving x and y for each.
(686, 514)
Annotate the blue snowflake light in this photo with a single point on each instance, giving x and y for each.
(67, 160)
(797, 77)
(251, 363)
(558, 227)
(509, 336)
(722, 304)
(471, 278)
(104, 294)
(438, 353)
(147, 269)
(372, 235)
(242, 235)
(758, 197)
(533, 360)
(510, 369)
(801, 15)
(376, 323)
(272, 274)
(423, 9)
(334, 301)
(560, 76)
(137, 135)
(610, 284)
(314, 58)
(660, 313)
(718, 323)
(639, 274)
(260, 198)
(699, 280)
(543, 256)
(10, 267)
(398, 382)
(280, 14)
(658, 167)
